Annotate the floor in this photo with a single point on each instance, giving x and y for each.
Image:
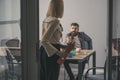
(9, 74)
(3, 63)
(63, 75)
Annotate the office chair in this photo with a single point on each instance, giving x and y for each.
(3, 42)
(99, 75)
(14, 51)
(13, 59)
(13, 42)
(14, 67)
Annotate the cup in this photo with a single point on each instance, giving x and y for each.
(78, 50)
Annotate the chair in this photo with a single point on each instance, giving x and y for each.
(13, 42)
(94, 77)
(3, 42)
(13, 59)
(14, 67)
(15, 52)
(99, 75)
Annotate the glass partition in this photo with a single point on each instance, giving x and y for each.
(92, 17)
(10, 40)
(115, 62)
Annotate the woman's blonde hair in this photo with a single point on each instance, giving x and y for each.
(56, 9)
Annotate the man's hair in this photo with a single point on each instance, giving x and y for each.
(75, 24)
(56, 8)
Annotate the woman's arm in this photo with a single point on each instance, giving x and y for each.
(51, 50)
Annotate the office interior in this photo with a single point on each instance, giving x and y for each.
(22, 20)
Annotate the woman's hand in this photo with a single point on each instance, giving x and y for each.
(62, 54)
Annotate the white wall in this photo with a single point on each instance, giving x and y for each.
(92, 18)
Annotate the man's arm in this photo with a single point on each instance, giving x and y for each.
(86, 38)
(68, 39)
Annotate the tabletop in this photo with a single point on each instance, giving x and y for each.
(3, 50)
(83, 54)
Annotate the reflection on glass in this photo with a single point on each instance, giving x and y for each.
(116, 41)
(10, 39)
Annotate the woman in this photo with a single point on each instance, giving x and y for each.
(51, 34)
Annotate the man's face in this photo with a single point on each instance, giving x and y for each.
(74, 29)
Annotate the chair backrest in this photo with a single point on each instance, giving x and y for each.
(86, 45)
(85, 40)
(3, 42)
(13, 43)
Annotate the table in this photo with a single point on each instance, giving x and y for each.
(78, 59)
(2, 51)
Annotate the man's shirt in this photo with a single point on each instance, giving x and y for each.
(77, 41)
